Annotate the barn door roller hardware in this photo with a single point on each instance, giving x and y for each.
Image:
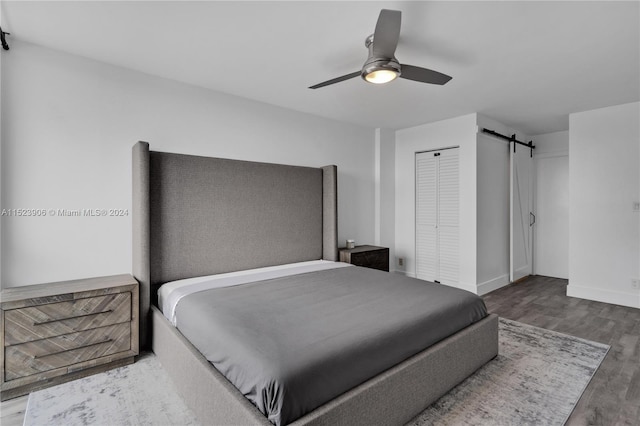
(513, 139)
(5, 46)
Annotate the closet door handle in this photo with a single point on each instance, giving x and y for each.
(532, 219)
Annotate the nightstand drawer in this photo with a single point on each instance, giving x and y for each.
(377, 259)
(55, 319)
(367, 256)
(43, 355)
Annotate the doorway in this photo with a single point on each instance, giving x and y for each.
(551, 243)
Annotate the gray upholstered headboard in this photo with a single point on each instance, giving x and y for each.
(195, 216)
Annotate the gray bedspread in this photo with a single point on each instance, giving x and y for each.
(292, 344)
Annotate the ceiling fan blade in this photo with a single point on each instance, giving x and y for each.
(336, 80)
(387, 33)
(423, 75)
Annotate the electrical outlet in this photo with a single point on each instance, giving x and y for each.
(401, 261)
(635, 283)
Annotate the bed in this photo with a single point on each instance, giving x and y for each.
(197, 217)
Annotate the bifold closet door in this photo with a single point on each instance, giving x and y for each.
(426, 216)
(437, 216)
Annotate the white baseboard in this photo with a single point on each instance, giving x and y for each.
(469, 287)
(494, 284)
(521, 273)
(607, 296)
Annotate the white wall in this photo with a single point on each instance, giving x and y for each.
(604, 182)
(68, 127)
(484, 196)
(1, 149)
(556, 142)
(460, 131)
(493, 214)
(385, 192)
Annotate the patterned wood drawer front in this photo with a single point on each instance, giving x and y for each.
(55, 319)
(51, 333)
(35, 357)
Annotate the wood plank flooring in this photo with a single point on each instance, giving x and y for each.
(12, 411)
(612, 397)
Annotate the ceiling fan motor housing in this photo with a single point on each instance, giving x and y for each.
(377, 63)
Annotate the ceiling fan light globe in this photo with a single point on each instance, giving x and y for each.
(381, 76)
(380, 71)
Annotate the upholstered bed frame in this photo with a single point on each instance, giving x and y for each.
(195, 216)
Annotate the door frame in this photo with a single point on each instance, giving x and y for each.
(415, 197)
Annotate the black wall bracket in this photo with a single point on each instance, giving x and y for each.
(513, 139)
(5, 45)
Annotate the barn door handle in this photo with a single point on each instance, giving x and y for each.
(532, 219)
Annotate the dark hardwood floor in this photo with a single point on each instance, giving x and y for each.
(613, 396)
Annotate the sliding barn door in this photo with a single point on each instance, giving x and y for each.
(522, 218)
(437, 216)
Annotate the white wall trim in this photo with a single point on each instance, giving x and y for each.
(607, 296)
(493, 284)
(463, 286)
(469, 287)
(521, 273)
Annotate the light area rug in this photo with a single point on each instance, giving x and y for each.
(537, 379)
(136, 394)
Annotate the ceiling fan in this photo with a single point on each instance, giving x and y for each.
(382, 66)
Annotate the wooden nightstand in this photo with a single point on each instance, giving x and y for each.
(56, 332)
(367, 256)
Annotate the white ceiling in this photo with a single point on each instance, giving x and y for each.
(526, 64)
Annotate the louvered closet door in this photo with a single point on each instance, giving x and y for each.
(448, 216)
(426, 216)
(437, 216)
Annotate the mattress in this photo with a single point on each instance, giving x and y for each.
(303, 334)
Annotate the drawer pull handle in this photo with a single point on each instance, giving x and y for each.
(68, 318)
(73, 349)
